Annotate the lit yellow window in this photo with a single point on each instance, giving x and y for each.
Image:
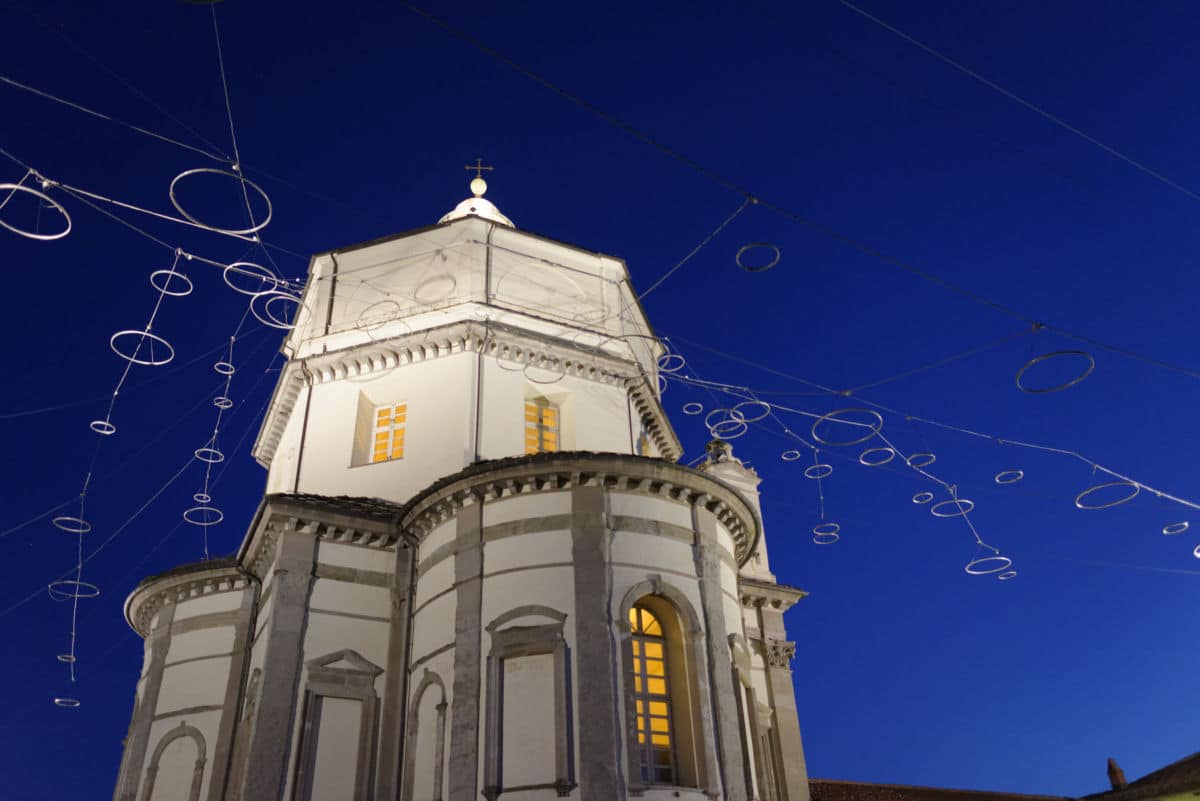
(652, 705)
(388, 440)
(541, 426)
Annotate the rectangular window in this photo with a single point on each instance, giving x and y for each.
(388, 432)
(541, 426)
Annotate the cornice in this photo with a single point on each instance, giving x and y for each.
(495, 340)
(180, 584)
(755, 593)
(279, 516)
(488, 482)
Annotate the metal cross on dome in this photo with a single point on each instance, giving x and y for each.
(478, 167)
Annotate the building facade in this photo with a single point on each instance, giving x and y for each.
(478, 570)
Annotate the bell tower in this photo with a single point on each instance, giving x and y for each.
(478, 570)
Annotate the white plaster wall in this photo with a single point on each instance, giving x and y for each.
(430, 270)
(527, 550)
(524, 507)
(208, 604)
(527, 718)
(326, 633)
(193, 684)
(437, 579)
(650, 508)
(281, 475)
(600, 420)
(758, 677)
(345, 596)
(355, 557)
(546, 586)
(436, 538)
(436, 437)
(433, 626)
(734, 622)
(202, 642)
(731, 601)
(593, 418)
(502, 422)
(725, 539)
(653, 552)
(335, 762)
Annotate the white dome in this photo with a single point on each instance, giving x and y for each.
(477, 207)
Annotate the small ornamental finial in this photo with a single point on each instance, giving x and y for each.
(478, 185)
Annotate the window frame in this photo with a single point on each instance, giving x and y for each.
(392, 410)
(540, 407)
(644, 700)
(691, 701)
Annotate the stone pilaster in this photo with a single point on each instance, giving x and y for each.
(242, 636)
(779, 652)
(464, 702)
(720, 667)
(395, 686)
(139, 734)
(271, 738)
(595, 650)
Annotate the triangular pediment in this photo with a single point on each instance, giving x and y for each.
(347, 661)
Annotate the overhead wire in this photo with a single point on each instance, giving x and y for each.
(57, 30)
(725, 223)
(1112, 151)
(831, 233)
(92, 112)
(943, 362)
(83, 196)
(133, 388)
(1093, 464)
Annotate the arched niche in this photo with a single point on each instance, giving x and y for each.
(425, 740)
(181, 738)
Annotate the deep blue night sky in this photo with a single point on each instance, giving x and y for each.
(357, 121)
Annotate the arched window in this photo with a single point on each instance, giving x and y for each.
(652, 698)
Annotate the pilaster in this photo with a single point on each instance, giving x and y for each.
(270, 742)
(464, 701)
(779, 654)
(720, 667)
(395, 687)
(139, 735)
(242, 635)
(595, 660)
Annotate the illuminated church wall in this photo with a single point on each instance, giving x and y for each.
(521, 596)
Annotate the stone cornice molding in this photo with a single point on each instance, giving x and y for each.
(559, 471)
(759, 594)
(148, 598)
(279, 517)
(276, 517)
(495, 340)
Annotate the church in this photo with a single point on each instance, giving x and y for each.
(479, 570)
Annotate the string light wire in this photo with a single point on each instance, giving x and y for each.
(783, 211)
(1112, 151)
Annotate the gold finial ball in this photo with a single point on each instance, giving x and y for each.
(478, 186)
